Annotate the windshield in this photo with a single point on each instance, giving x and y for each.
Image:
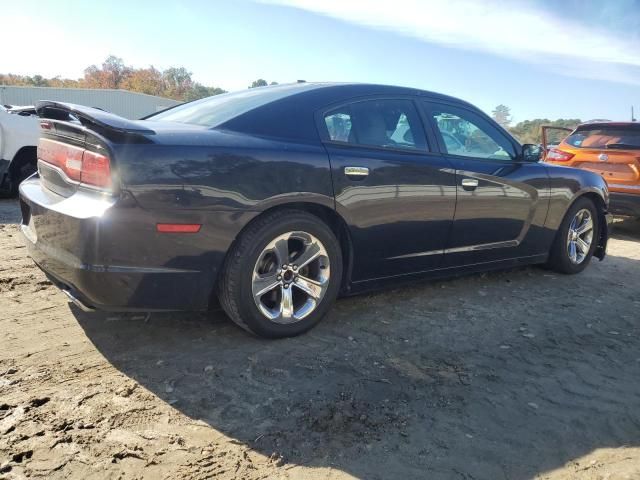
(606, 137)
(214, 111)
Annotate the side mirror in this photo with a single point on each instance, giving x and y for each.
(531, 152)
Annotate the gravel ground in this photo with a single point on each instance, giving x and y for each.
(510, 375)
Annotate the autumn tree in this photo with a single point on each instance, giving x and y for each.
(58, 82)
(174, 82)
(111, 75)
(144, 80)
(502, 115)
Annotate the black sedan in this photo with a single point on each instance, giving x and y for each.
(275, 200)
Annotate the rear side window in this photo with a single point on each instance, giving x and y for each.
(377, 123)
(214, 111)
(606, 137)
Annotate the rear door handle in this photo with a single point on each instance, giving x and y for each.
(356, 173)
(469, 183)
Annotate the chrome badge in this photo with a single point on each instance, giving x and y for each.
(603, 157)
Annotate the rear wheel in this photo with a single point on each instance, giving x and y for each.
(23, 166)
(282, 275)
(576, 238)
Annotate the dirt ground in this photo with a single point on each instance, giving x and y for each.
(511, 375)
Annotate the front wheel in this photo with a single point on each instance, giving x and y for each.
(282, 275)
(576, 238)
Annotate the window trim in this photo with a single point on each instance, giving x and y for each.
(427, 106)
(326, 139)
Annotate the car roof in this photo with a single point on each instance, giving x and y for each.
(607, 123)
(293, 102)
(360, 89)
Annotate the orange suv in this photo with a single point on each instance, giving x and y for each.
(611, 149)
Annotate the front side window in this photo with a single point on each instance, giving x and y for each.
(466, 135)
(378, 123)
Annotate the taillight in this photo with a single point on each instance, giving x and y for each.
(557, 155)
(68, 158)
(96, 169)
(78, 164)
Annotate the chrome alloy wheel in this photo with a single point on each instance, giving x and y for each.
(580, 236)
(290, 277)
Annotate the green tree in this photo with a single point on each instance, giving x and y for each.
(38, 81)
(529, 131)
(259, 83)
(199, 91)
(177, 82)
(502, 115)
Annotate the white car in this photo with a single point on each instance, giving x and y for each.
(19, 132)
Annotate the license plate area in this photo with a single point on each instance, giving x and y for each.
(611, 171)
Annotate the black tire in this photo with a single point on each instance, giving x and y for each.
(559, 259)
(7, 189)
(22, 167)
(235, 282)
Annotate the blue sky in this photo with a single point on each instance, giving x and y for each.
(542, 58)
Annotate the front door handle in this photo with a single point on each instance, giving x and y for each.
(469, 184)
(356, 173)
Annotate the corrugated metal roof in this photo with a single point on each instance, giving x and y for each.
(127, 104)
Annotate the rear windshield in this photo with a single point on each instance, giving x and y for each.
(216, 110)
(606, 137)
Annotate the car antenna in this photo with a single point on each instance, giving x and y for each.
(633, 118)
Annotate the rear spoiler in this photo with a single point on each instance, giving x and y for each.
(89, 116)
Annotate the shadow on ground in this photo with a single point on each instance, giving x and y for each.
(506, 375)
(9, 212)
(626, 228)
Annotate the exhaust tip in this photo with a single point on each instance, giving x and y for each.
(78, 303)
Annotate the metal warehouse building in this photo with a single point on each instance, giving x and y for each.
(121, 102)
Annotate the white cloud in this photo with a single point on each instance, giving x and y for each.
(500, 27)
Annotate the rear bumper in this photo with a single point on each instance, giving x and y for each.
(107, 255)
(624, 203)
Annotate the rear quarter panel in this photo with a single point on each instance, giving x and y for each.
(222, 181)
(225, 172)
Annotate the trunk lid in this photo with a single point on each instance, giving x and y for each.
(615, 166)
(76, 147)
